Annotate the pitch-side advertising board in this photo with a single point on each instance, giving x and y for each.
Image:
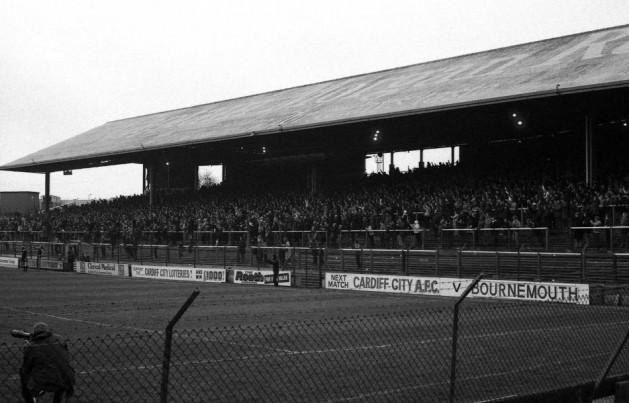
(179, 273)
(454, 287)
(107, 269)
(261, 277)
(11, 262)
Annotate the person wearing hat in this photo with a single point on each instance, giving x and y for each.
(46, 366)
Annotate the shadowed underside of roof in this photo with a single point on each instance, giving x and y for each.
(579, 62)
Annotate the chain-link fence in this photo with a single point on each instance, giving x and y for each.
(504, 350)
(112, 368)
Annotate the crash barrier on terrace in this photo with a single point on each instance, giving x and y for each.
(504, 352)
(308, 265)
(537, 239)
(540, 238)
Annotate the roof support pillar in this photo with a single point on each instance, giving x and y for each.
(150, 173)
(588, 150)
(421, 157)
(47, 193)
(47, 205)
(313, 179)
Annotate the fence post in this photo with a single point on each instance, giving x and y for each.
(163, 398)
(404, 262)
(547, 236)
(437, 262)
(343, 261)
(583, 265)
(539, 266)
(609, 365)
(458, 263)
(319, 265)
(455, 333)
(615, 266)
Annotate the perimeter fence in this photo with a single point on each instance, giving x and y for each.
(309, 264)
(504, 350)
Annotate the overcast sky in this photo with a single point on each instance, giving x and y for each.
(68, 66)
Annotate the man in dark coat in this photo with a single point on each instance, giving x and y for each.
(24, 259)
(276, 269)
(46, 366)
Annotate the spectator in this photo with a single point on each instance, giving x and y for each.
(24, 259)
(46, 366)
(446, 196)
(39, 255)
(415, 227)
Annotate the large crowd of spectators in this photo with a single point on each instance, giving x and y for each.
(432, 198)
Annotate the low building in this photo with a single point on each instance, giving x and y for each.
(19, 202)
(55, 201)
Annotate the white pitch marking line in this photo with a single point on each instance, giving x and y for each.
(90, 322)
(469, 378)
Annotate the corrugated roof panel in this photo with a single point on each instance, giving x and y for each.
(590, 59)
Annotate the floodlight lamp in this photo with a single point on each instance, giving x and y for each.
(263, 150)
(520, 123)
(624, 123)
(376, 136)
(167, 163)
(514, 115)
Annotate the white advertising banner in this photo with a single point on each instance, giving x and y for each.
(454, 287)
(261, 277)
(179, 273)
(107, 269)
(50, 264)
(9, 262)
(521, 290)
(383, 283)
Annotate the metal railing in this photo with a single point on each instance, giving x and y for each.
(508, 238)
(537, 238)
(600, 237)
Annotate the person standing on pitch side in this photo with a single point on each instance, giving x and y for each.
(276, 270)
(24, 259)
(46, 366)
(39, 255)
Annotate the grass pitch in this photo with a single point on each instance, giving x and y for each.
(259, 343)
